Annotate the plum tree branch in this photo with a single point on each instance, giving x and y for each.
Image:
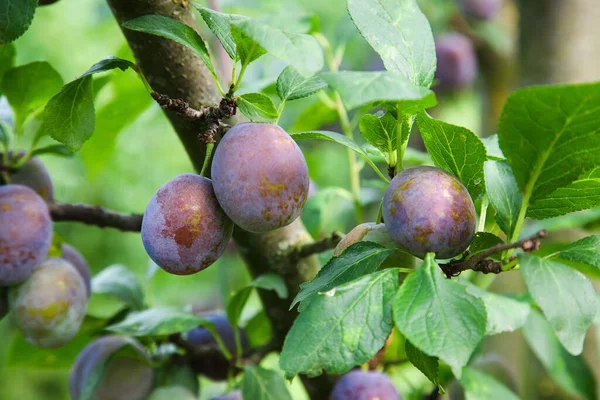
(176, 71)
(480, 262)
(95, 215)
(316, 247)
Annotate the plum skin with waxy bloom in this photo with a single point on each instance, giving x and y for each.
(260, 177)
(184, 229)
(49, 307)
(427, 210)
(25, 233)
(364, 385)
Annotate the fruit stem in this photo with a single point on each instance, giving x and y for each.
(209, 150)
(333, 65)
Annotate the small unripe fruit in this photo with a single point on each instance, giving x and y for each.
(25, 233)
(32, 174)
(124, 378)
(260, 177)
(456, 61)
(184, 229)
(425, 210)
(364, 385)
(49, 307)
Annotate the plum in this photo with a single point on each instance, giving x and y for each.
(235, 395)
(456, 61)
(364, 385)
(32, 174)
(26, 233)
(126, 376)
(49, 307)
(425, 209)
(260, 177)
(73, 256)
(480, 9)
(171, 393)
(184, 229)
(214, 365)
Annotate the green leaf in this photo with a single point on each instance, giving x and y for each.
(483, 241)
(257, 107)
(549, 135)
(238, 300)
(586, 250)
(572, 373)
(481, 386)
(298, 50)
(174, 376)
(157, 322)
(112, 117)
(359, 259)
(56, 149)
(340, 139)
(439, 316)
(236, 43)
(492, 148)
(259, 329)
(108, 63)
(341, 328)
(328, 210)
(119, 282)
(28, 87)
(236, 305)
(503, 192)
(7, 59)
(400, 33)
(379, 131)
(69, 116)
(174, 30)
(565, 295)
(362, 88)
(22, 354)
(292, 86)
(15, 18)
(264, 384)
(456, 150)
(582, 194)
(301, 51)
(426, 364)
(271, 282)
(503, 313)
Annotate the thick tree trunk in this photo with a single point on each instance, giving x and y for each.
(559, 41)
(176, 71)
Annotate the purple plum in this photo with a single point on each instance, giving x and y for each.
(126, 377)
(425, 209)
(73, 256)
(260, 177)
(32, 174)
(26, 233)
(364, 385)
(184, 229)
(480, 9)
(214, 365)
(49, 307)
(456, 61)
(235, 395)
